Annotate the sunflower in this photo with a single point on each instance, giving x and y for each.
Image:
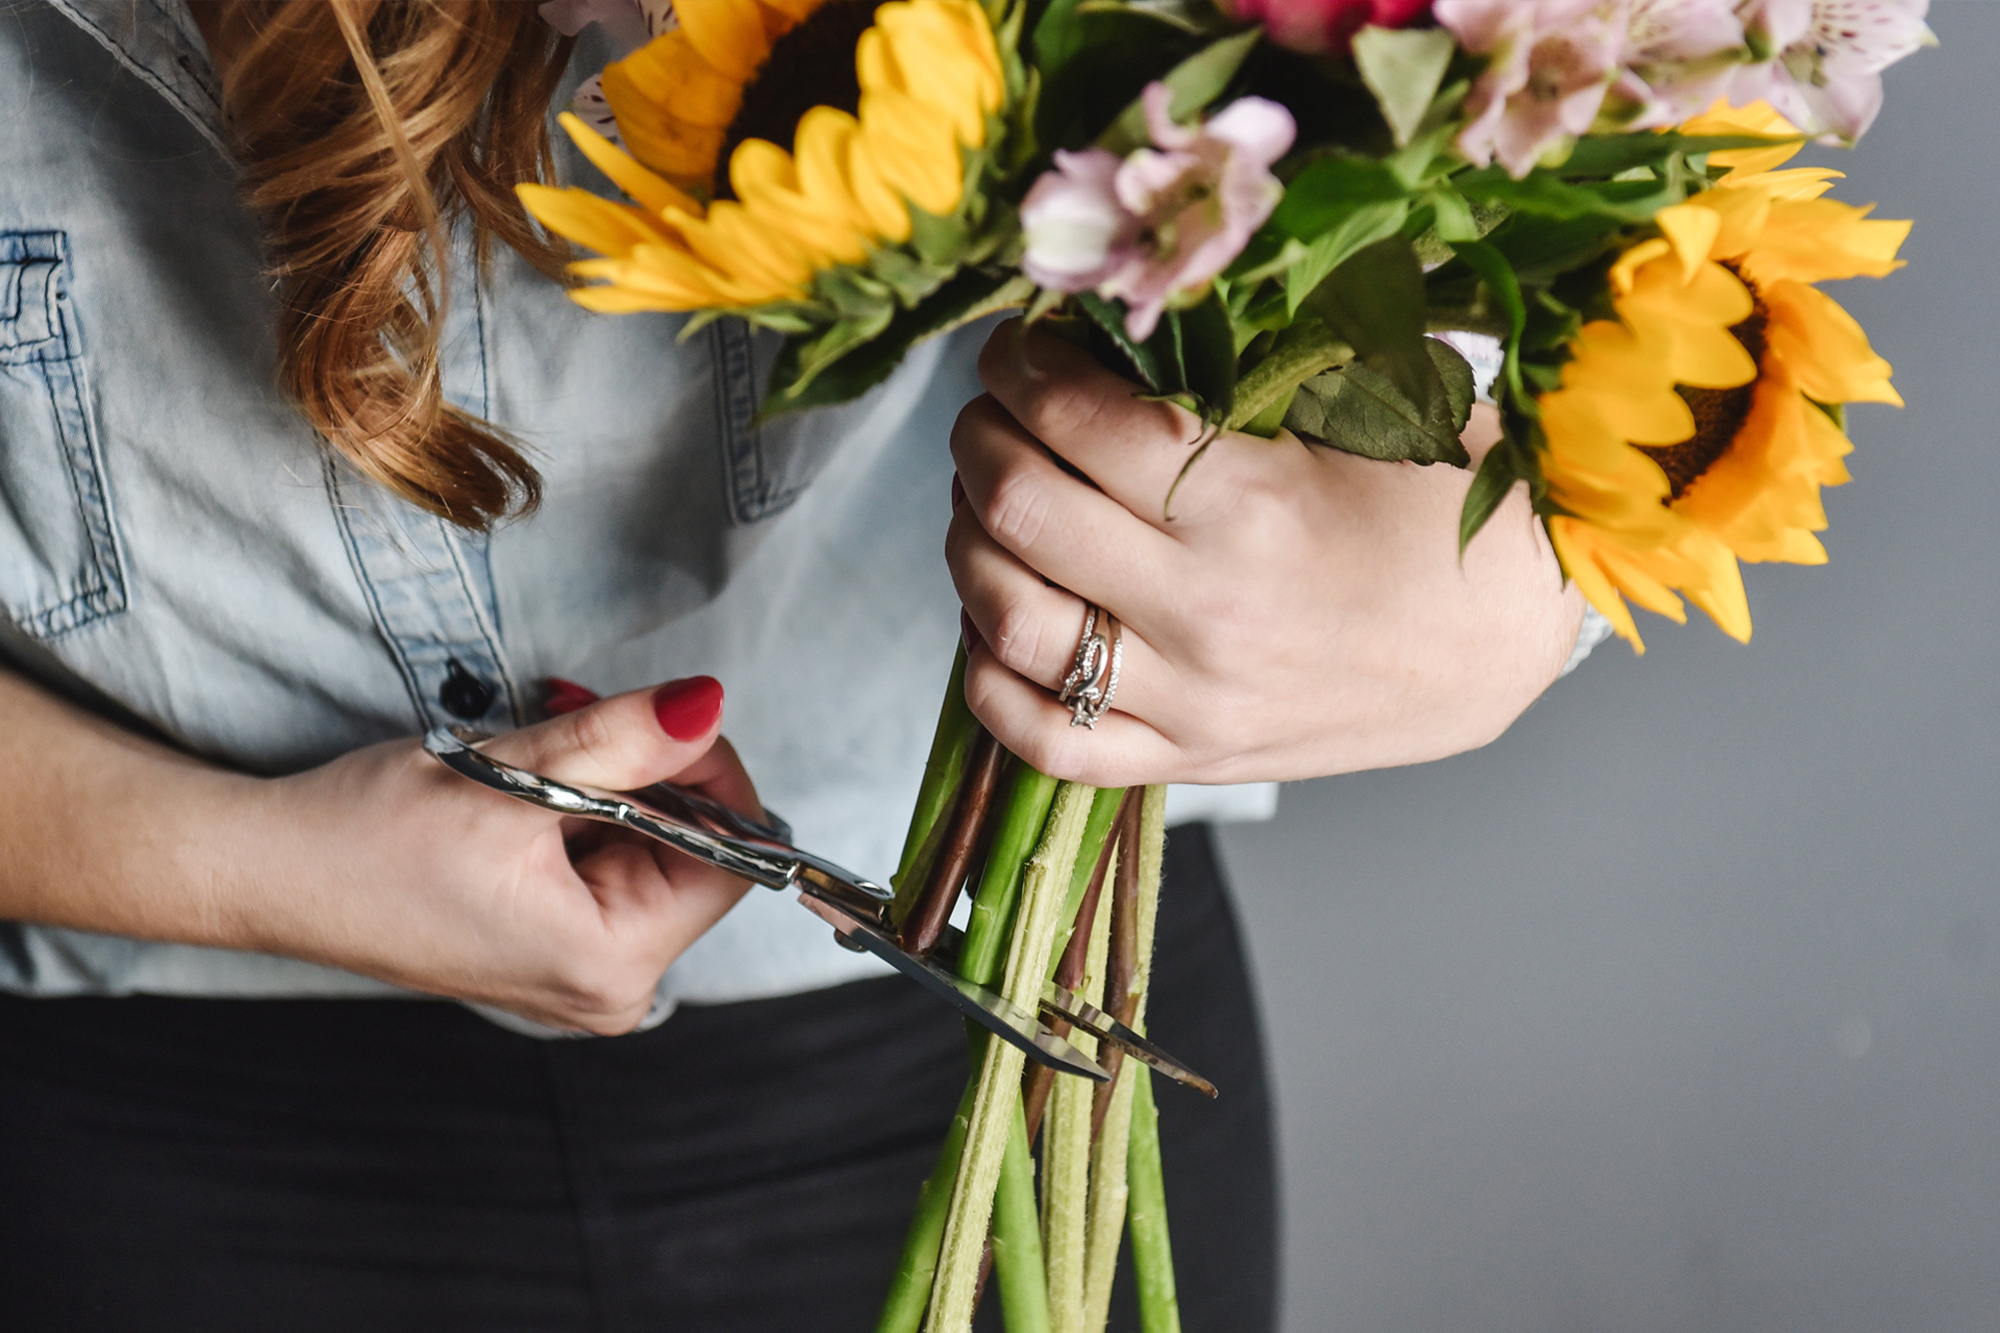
(1697, 428)
(879, 106)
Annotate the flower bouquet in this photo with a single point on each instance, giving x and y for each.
(1263, 211)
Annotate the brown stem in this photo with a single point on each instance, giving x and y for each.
(932, 912)
(1122, 966)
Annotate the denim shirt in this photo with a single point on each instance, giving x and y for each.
(180, 553)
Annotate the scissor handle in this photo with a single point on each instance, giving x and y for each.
(684, 820)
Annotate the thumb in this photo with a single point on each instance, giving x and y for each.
(626, 741)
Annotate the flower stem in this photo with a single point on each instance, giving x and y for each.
(910, 1292)
(1042, 884)
(1017, 1238)
(1152, 1248)
(946, 873)
(1025, 810)
(951, 746)
(1066, 1149)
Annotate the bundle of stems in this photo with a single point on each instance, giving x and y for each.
(1065, 883)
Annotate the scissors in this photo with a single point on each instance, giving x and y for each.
(858, 909)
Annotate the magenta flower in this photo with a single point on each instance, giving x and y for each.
(1824, 58)
(1549, 65)
(1323, 26)
(1163, 221)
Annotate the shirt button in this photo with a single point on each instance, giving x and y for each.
(463, 694)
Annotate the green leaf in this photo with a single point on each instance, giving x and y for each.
(1403, 67)
(1058, 37)
(1483, 258)
(1160, 374)
(1330, 190)
(810, 374)
(1498, 472)
(1547, 195)
(1376, 302)
(1365, 226)
(1208, 356)
(1360, 410)
(1609, 154)
(1195, 82)
(1198, 17)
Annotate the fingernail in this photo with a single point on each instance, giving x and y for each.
(688, 708)
(969, 632)
(957, 492)
(566, 696)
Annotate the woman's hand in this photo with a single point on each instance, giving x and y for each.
(1303, 612)
(386, 863)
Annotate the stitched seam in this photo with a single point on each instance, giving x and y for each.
(368, 590)
(195, 115)
(494, 654)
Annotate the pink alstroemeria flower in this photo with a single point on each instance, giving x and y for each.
(1164, 220)
(629, 24)
(1826, 60)
(1322, 27)
(1680, 56)
(1549, 65)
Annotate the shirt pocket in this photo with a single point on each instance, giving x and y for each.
(767, 464)
(60, 563)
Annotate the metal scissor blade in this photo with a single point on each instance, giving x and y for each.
(1077, 1012)
(995, 1013)
(1083, 1014)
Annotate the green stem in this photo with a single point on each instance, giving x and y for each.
(910, 1292)
(943, 771)
(1066, 1158)
(1017, 1238)
(1301, 352)
(1026, 809)
(1152, 1247)
(1110, 1193)
(1043, 884)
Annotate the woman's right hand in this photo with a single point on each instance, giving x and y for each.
(386, 863)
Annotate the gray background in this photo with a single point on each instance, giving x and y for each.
(1679, 1007)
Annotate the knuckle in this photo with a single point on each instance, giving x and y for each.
(1017, 635)
(1060, 410)
(1016, 510)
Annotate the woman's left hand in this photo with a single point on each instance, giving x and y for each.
(1303, 612)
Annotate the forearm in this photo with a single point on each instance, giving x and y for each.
(103, 830)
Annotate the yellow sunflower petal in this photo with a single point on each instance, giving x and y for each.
(1756, 118)
(727, 34)
(1691, 232)
(589, 219)
(651, 191)
(1576, 549)
(1824, 346)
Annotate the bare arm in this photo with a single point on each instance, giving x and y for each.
(379, 862)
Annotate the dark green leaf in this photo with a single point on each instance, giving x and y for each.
(1208, 356)
(1498, 472)
(1359, 409)
(1157, 374)
(1504, 291)
(1375, 301)
(1609, 154)
(1461, 386)
(810, 374)
(1195, 82)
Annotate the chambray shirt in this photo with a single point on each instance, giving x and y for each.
(178, 551)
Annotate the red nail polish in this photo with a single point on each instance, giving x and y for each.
(688, 708)
(566, 696)
(969, 632)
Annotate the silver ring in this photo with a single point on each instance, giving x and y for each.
(1093, 678)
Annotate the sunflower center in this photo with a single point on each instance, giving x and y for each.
(812, 65)
(1718, 415)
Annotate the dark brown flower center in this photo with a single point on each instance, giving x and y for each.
(812, 65)
(1719, 415)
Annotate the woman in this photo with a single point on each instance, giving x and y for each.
(268, 446)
